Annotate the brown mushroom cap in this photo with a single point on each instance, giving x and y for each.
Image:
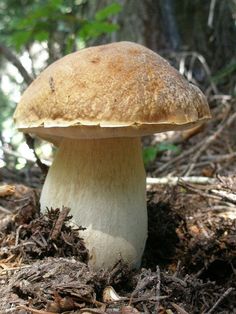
(113, 90)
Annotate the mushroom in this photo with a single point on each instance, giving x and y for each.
(95, 104)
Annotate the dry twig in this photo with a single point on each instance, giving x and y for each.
(196, 190)
(59, 223)
(231, 197)
(224, 295)
(175, 180)
(179, 309)
(158, 289)
(5, 211)
(30, 143)
(34, 311)
(201, 146)
(207, 142)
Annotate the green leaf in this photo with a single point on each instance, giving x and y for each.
(168, 146)
(69, 44)
(41, 36)
(19, 39)
(95, 29)
(226, 71)
(39, 11)
(150, 153)
(55, 3)
(104, 27)
(6, 107)
(109, 10)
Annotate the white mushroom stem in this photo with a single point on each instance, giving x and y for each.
(103, 182)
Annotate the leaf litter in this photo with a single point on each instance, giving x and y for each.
(189, 265)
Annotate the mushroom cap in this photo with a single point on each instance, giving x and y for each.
(114, 90)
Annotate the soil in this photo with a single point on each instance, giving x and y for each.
(189, 264)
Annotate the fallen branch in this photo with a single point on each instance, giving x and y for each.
(231, 197)
(175, 180)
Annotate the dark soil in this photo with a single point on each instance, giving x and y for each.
(189, 265)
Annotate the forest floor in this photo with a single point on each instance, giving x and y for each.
(189, 264)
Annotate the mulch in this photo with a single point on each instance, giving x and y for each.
(189, 265)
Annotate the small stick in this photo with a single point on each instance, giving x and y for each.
(91, 311)
(158, 290)
(176, 279)
(211, 14)
(179, 309)
(59, 223)
(12, 269)
(34, 311)
(5, 221)
(30, 143)
(5, 210)
(177, 269)
(197, 191)
(140, 299)
(18, 234)
(199, 147)
(12, 247)
(175, 180)
(219, 158)
(208, 141)
(224, 295)
(226, 195)
(11, 310)
(179, 157)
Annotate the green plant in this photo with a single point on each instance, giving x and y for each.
(227, 71)
(150, 152)
(53, 21)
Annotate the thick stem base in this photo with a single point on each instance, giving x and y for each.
(103, 182)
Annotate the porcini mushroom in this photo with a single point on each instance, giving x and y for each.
(95, 104)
